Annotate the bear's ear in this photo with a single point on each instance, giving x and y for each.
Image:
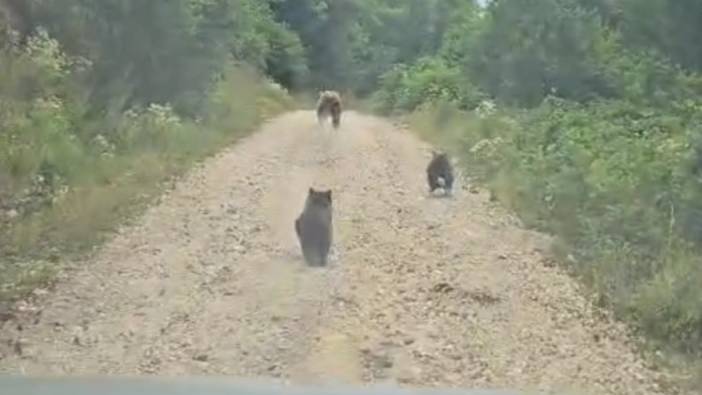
(310, 191)
(328, 195)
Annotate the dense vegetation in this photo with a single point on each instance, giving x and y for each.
(584, 116)
(100, 102)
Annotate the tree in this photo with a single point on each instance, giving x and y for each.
(165, 50)
(669, 26)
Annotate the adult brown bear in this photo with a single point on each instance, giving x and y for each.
(329, 104)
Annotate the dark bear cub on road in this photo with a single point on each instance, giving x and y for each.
(314, 227)
(329, 104)
(440, 173)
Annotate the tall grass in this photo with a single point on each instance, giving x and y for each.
(67, 179)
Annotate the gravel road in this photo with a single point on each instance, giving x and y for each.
(420, 290)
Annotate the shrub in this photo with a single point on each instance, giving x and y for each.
(67, 176)
(427, 81)
(614, 181)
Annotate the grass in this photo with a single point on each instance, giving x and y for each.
(100, 189)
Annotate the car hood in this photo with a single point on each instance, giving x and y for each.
(28, 385)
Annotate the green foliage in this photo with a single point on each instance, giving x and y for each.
(596, 140)
(350, 44)
(428, 80)
(164, 50)
(671, 27)
(68, 175)
(519, 53)
(613, 180)
(584, 116)
(324, 27)
(534, 48)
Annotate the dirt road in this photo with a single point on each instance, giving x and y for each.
(420, 291)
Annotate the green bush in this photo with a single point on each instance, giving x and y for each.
(429, 80)
(67, 176)
(614, 182)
